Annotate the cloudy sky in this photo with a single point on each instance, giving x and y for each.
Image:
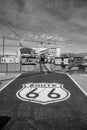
(65, 18)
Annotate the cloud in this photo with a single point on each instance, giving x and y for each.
(17, 13)
(20, 4)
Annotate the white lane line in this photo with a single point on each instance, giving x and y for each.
(77, 85)
(10, 82)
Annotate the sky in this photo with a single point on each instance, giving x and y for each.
(65, 18)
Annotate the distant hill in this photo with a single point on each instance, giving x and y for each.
(74, 55)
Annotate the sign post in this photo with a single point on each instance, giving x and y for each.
(6, 68)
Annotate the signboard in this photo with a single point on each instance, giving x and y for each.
(10, 59)
(27, 52)
(28, 61)
(58, 61)
(65, 61)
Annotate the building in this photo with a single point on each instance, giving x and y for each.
(52, 52)
(10, 59)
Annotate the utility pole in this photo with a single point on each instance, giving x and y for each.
(3, 45)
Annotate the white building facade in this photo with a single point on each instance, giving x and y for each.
(10, 59)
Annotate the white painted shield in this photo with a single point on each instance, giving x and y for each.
(43, 93)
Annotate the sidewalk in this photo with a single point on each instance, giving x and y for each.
(81, 79)
(6, 78)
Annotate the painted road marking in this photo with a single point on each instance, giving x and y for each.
(70, 114)
(43, 93)
(10, 82)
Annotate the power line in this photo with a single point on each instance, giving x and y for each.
(7, 25)
(10, 28)
(31, 11)
(41, 5)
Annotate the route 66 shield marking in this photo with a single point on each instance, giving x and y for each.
(43, 93)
